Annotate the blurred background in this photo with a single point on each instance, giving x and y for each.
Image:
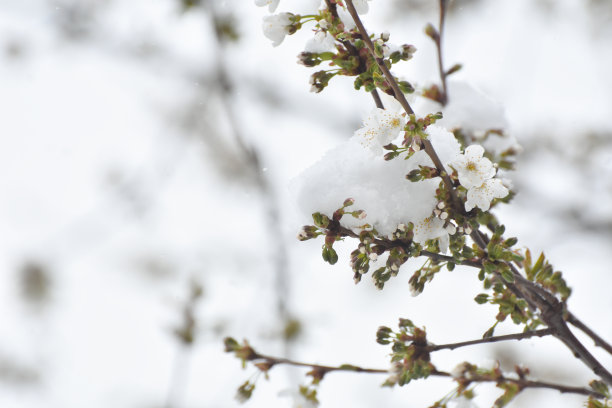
(147, 147)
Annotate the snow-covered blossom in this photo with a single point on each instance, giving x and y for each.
(476, 174)
(276, 27)
(356, 169)
(379, 129)
(321, 42)
(272, 4)
(482, 196)
(472, 168)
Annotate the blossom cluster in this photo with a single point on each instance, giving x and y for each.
(476, 173)
(357, 169)
(277, 26)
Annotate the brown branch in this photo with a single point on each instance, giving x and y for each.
(494, 339)
(318, 371)
(551, 309)
(377, 99)
(522, 383)
(581, 326)
(318, 368)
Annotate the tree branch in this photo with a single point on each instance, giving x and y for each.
(551, 309)
(581, 326)
(265, 362)
(516, 336)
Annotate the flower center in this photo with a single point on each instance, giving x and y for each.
(471, 166)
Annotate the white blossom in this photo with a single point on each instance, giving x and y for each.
(272, 4)
(276, 27)
(361, 6)
(476, 174)
(321, 42)
(431, 228)
(482, 196)
(379, 129)
(472, 168)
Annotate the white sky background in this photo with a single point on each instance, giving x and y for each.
(119, 176)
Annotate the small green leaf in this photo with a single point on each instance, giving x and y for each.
(507, 275)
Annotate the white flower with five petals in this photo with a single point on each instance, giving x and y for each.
(476, 174)
(379, 129)
(473, 169)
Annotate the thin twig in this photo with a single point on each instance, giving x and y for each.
(522, 383)
(494, 339)
(320, 370)
(580, 325)
(377, 99)
(438, 41)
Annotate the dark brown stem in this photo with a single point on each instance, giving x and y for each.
(516, 336)
(377, 99)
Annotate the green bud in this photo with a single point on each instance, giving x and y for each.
(431, 32)
(453, 69)
(320, 220)
(329, 255)
(230, 344)
(481, 298)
